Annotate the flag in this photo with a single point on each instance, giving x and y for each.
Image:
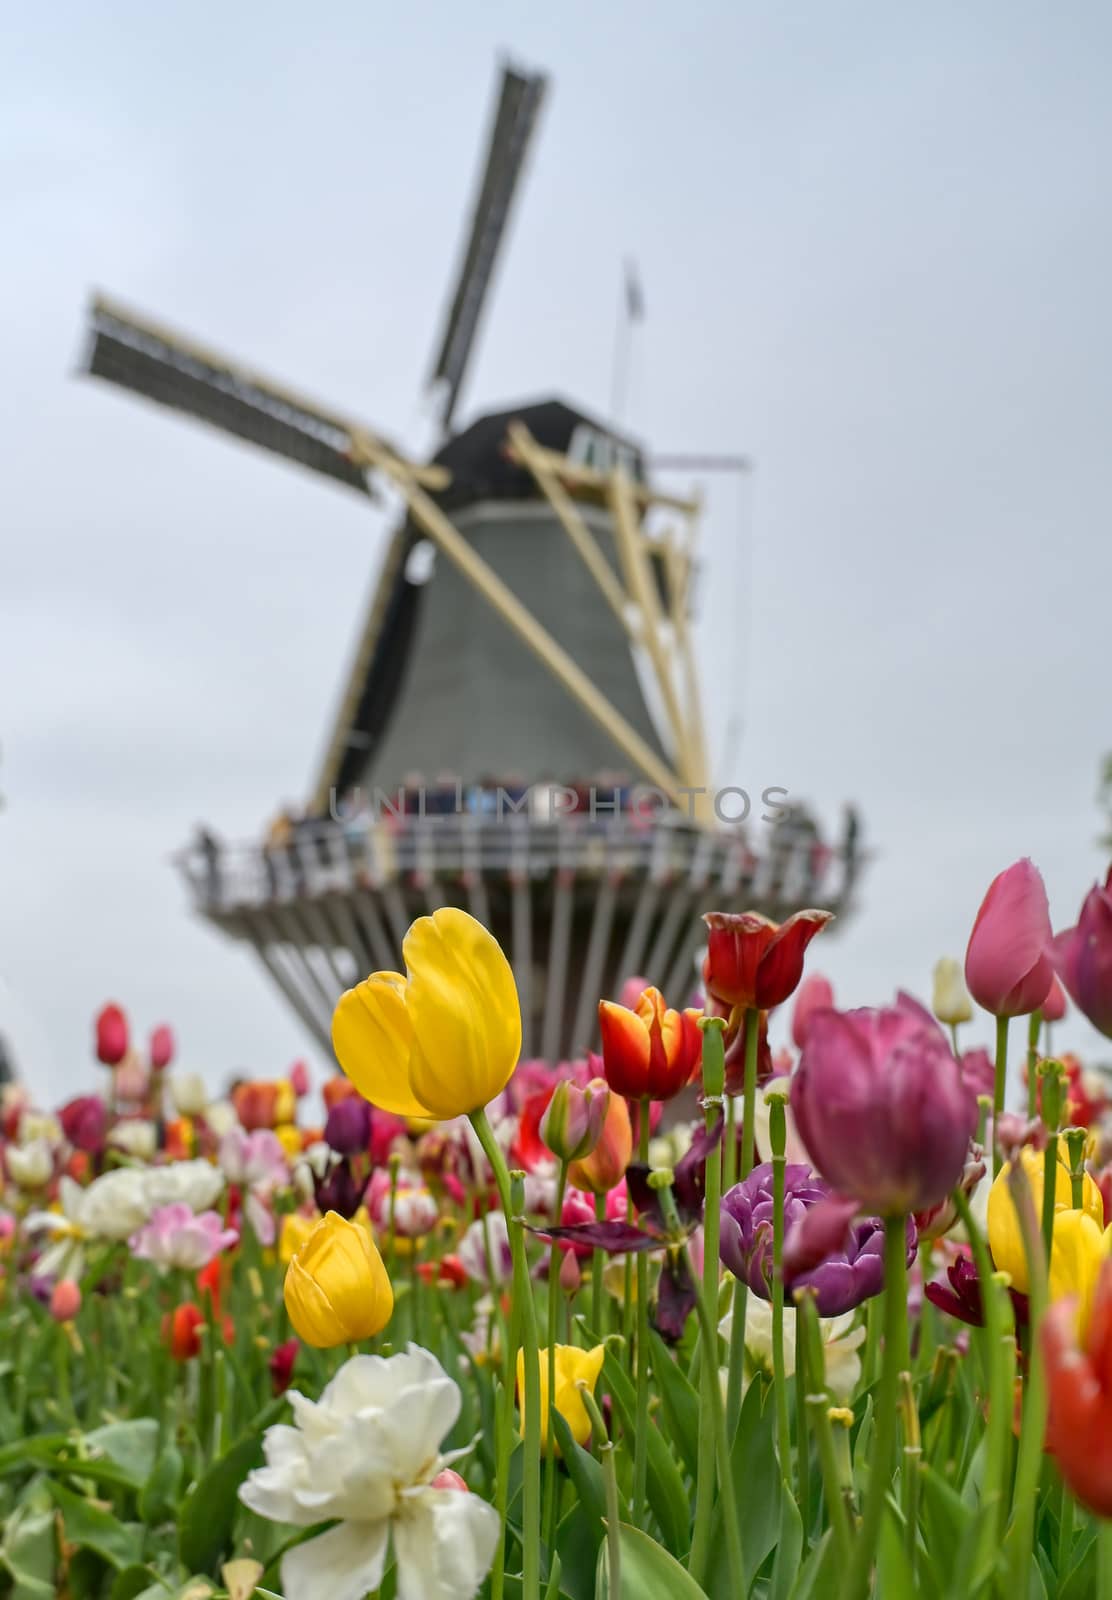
(635, 299)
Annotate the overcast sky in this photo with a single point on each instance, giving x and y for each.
(876, 249)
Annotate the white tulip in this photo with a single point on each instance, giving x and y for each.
(111, 1208)
(29, 1165)
(839, 1336)
(196, 1184)
(950, 1003)
(221, 1117)
(136, 1137)
(188, 1092)
(367, 1453)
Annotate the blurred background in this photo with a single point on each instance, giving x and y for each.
(874, 256)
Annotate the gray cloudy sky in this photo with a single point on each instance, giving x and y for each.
(876, 249)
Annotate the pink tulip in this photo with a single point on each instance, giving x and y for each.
(299, 1079)
(1083, 957)
(632, 990)
(111, 1036)
(1008, 963)
(65, 1300)
(162, 1048)
(1054, 1006)
(815, 993)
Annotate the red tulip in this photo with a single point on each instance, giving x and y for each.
(1079, 1419)
(111, 1036)
(756, 963)
(1083, 956)
(85, 1123)
(648, 1051)
(281, 1365)
(162, 1048)
(1008, 963)
(815, 993)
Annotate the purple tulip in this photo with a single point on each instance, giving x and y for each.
(1083, 956)
(348, 1126)
(880, 1105)
(851, 1272)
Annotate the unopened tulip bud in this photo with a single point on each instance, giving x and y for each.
(1008, 962)
(162, 1048)
(299, 1079)
(570, 1275)
(65, 1300)
(573, 1120)
(188, 1092)
(951, 1002)
(447, 1479)
(606, 1165)
(111, 1036)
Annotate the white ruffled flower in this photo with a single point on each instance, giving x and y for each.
(841, 1341)
(29, 1165)
(137, 1137)
(111, 1208)
(40, 1125)
(367, 1452)
(196, 1184)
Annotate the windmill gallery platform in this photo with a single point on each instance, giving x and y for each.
(520, 731)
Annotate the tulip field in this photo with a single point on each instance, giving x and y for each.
(693, 1317)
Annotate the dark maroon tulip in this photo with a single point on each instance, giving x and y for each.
(339, 1190)
(880, 1105)
(348, 1126)
(961, 1295)
(111, 1036)
(85, 1123)
(852, 1270)
(1083, 956)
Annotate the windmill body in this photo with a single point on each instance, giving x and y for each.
(520, 730)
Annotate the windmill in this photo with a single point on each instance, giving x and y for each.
(520, 730)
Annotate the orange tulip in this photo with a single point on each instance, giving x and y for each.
(648, 1051)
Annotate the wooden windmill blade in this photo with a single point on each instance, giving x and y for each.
(128, 349)
(515, 117)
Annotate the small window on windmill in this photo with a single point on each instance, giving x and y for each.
(420, 563)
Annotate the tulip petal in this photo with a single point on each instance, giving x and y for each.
(466, 1016)
(626, 1048)
(372, 1036)
(781, 966)
(345, 1563)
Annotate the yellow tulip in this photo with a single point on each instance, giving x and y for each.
(288, 1135)
(295, 1230)
(443, 1041)
(572, 1367)
(285, 1104)
(1079, 1249)
(337, 1289)
(1004, 1238)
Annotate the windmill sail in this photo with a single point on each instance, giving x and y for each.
(514, 121)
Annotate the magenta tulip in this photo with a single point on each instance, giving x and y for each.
(1054, 1006)
(111, 1036)
(880, 1105)
(815, 993)
(1083, 956)
(1008, 963)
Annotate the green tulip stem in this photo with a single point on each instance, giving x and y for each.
(999, 1085)
(551, 1477)
(894, 1360)
(1034, 1028)
(598, 1261)
(641, 1430)
(511, 1195)
(778, 1141)
(1050, 1073)
(714, 1071)
(995, 1306)
(749, 1102)
(605, 1448)
(1029, 1456)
